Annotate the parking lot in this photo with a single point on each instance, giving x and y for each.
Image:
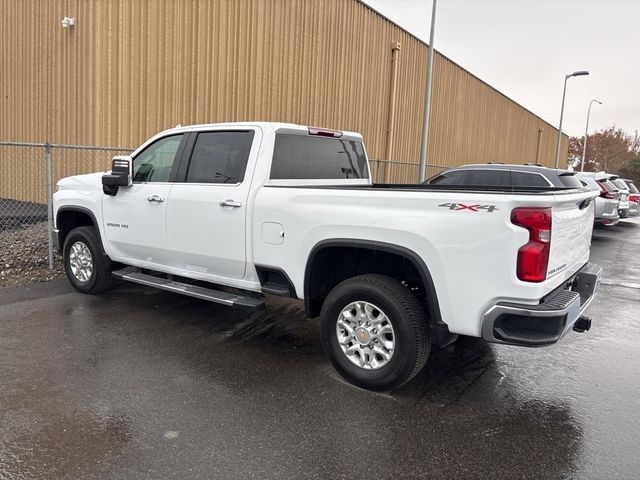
(140, 383)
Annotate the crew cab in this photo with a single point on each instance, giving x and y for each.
(232, 212)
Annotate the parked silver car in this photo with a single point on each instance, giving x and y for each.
(623, 208)
(634, 194)
(629, 208)
(606, 205)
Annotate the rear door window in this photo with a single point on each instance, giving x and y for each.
(319, 158)
(453, 177)
(220, 157)
(489, 178)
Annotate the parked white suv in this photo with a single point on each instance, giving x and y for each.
(230, 212)
(606, 204)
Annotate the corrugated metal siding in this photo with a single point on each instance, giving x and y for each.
(131, 68)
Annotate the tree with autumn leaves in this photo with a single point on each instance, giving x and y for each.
(611, 149)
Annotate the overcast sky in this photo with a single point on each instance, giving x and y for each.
(524, 49)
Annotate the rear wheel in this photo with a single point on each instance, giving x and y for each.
(85, 263)
(375, 331)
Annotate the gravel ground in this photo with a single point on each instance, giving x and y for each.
(24, 256)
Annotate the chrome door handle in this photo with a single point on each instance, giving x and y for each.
(155, 198)
(230, 203)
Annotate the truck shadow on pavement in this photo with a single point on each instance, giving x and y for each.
(114, 373)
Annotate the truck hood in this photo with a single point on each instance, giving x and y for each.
(80, 182)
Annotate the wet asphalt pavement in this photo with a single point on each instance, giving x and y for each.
(143, 384)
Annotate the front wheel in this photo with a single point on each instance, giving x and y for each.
(87, 267)
(375, 331)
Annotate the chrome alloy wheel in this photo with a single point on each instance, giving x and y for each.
(365, 335)
(81, 261)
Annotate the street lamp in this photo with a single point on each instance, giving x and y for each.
(579, 73)
(586, 131)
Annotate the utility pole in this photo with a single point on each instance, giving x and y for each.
(427, 99)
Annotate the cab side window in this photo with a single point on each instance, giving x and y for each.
(155, 162)
(220, 157)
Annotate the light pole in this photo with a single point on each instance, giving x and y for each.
(427, 99)
(586, 131)
(579, 73)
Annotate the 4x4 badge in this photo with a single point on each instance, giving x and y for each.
(473, 208)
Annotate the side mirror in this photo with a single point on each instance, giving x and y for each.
(120, 176)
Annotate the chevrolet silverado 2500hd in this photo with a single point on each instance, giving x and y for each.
(230, 212)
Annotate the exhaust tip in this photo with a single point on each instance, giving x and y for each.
(583, 324)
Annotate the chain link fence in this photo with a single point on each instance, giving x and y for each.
(28, 174)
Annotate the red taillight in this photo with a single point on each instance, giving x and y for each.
(533, 257)
(604, 193)
(323, 132)
(633, 198)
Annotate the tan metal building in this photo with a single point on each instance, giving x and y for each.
(130, 68)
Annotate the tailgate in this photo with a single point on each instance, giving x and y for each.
(571, 228)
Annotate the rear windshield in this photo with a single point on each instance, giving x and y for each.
(570, 180)
(632, 187)
(310, 157)
(618, 182)
(608, 185)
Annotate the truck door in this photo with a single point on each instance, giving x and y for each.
(207, 207)
(135, 219)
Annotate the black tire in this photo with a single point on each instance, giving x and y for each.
(407, 316)
(100, 279)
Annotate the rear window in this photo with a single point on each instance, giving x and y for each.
(310, 157)
(608, 185)
(618, 182)
(526, 179)
(570, 180)
(632, 187)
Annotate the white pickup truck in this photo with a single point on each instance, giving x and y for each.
(231, 212)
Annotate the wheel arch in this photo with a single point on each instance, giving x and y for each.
(70, 217)
(315, 291)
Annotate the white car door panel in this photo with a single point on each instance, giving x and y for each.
(206, 214)
(135, 218)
